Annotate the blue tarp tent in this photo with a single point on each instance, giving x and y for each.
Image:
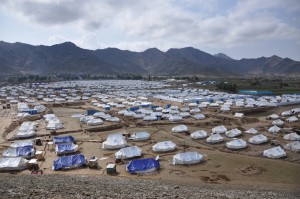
(142, 166)
(64, 139)
(71, 161)
(24, 151)
(66, 148)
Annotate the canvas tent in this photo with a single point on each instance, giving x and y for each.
(258, 139)
(13, 164)
(214, 138)
(251, 131)
(63, 139)
(128, 152)
(139, 136)
(233, 133)
(114, 141)
(71, 161)
(274, 129)
(66, 148)
(293, 146)
(164, 146)
(22, 143)
(180, 129)
(199, 134)
(219, 129)
(187, 158)
(24, 152)
(147, 165)
(236, 144)
(276, 152)
(292, 136)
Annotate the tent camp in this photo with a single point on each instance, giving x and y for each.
(139, 136)
(292, 119)
(13, 164)
(66, 148)
(114, 141)
(24, 152)
(142, 166)
(63, 139)
(187, 158)
(236, 144)
(258, 139)
(164, 146)
(128, 152)
(68, 162)
(199, 134)
(276, 152)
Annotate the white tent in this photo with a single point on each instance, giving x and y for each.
(273, 117)
(128, 152)
(219, 129)
(295, 110)
(94, 122)
(195, 110)
(150, 118)
(239, 115)
(286, 113)
(199, 134)
(278, 122)
(214, 138)
(138, 136)
(12, 153)
(292, 137)
(13, 164)
(85, 119)
(180, 129)
(22, 143)
(164, 146)
(114, 141)
(276, 152)
(54, 125)
(233, 133)
(292, 119)
(175, 118)
(236, 144)
(274, 129)
(293, 146)
(25, 134)
(199, 116)
(184, 114)
(251, 131)
(258, 139)
(187, 158)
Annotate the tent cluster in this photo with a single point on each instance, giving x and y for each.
(53, 123)
(26, 130)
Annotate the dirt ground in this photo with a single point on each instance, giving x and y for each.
(220, 166)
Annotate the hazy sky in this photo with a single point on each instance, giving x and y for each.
(245, 28)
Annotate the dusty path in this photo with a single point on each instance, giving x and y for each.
(54, 186)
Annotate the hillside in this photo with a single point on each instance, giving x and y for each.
(18, 58)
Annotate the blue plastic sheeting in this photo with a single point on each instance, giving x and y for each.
(24, 151)
(64, 139)
(250, 92)
(91, 112)
(142, 165)
(63, 148)
(70, 161)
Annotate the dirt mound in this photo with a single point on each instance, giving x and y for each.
(251, 170)
(215, 179)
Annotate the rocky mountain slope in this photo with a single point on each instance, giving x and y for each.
(18, 58)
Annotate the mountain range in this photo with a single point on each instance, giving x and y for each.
(22, 59)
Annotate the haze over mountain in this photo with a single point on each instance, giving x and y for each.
(19, 58)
